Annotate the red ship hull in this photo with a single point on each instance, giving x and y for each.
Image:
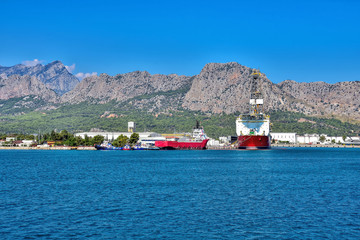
(181, 145)
(254, 142)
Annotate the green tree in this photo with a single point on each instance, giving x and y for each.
(52, 135)
(88, 141)
(98, 139)
(70, 142)
(322, 138)
(134, 138)
(64, 135)
(30, 137)
(120, 141)
(79, 141)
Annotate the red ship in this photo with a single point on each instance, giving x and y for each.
(253, 129)
(198, 141)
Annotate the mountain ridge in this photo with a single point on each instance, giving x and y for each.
(218, 88)
(54, 75)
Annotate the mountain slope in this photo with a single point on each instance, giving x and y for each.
(122, 87)
(54, 75)
(16, 86)
(340, 99)
(225, 87)
(218, 88)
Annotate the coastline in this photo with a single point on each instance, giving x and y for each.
(291, 146)
(315, 145)
(47, 148)
(209, 148)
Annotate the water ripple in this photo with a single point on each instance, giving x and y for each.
(276, 194)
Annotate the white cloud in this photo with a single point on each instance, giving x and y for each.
(70, 68)
(81, 75)
(31, 63)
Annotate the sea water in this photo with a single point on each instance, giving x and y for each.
(295, 193)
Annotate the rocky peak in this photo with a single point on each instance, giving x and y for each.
(54, 75)
(124, 86)
(224, 87)
(15, 86)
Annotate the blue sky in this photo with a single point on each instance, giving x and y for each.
(301, 40)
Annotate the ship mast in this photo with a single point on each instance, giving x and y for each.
(256, 98)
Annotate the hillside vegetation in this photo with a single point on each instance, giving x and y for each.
(114, 117)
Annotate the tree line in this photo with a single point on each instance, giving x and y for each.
(68, 139)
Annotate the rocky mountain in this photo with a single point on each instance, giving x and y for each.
(54, 75)
(339, 99)
(122, 87)
(219, 87)
(16, 86)
(226, 88)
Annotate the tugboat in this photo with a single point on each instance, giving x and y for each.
(253, 128)
(198, 141)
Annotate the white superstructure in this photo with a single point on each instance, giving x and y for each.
(256, 122)
(247, 126)
(198, 133)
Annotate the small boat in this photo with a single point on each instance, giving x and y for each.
(127, 147)
(138, 147)
(107, 146)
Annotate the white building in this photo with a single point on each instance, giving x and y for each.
(308, 139)
(213, 142)
(27, 143)
(334, 139)
(284, 137)
(10, 139)
(131, 127)
(224, 139)
(149, 137)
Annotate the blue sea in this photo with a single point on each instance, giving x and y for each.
(295, 193)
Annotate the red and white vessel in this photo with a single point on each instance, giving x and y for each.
(197, 141)
(253, 129)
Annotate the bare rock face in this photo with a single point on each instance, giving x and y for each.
(124, 86)
(339, 99)
(16, 86)
(54, 75)
(225, 87)
(220, 87)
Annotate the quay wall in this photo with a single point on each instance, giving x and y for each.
(47, 148)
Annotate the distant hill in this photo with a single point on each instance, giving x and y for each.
(16, 86)
(122, 87)
(340, 100)
(220, 88)
(226, 88)
(54, 75)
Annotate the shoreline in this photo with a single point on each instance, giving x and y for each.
(316, 145)
(47, 148)
(88, 148)
(292, 146)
